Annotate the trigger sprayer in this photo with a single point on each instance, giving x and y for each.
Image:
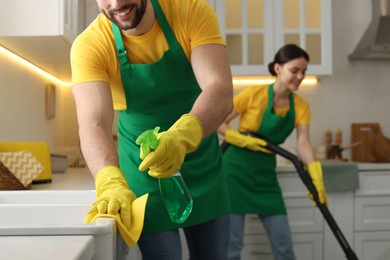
(173, 190)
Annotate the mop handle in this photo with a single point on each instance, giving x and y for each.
(306, 179)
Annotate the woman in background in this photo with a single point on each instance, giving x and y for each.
(272, 111)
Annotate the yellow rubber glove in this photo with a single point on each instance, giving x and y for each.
(315, 171)
(182, 137)
(116, 200)
(255, 144)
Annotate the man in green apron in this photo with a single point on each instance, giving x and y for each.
(273, 112)
(159, 63)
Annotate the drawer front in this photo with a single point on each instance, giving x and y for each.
(372, 245)
(291, 185)
(372, 213)
(256, 247)
(306, 246)
(374, 183)
(302, 216)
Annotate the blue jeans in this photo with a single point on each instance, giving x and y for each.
(278, 232)
(206, 241)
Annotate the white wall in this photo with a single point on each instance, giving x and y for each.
(357, 91)
(22, 108)
(22, 105)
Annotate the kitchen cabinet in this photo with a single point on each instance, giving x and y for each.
(372, 215)
(363, 215)
(42, 31)
(255, 29)
(42, 18)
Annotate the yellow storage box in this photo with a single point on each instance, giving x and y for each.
(39, 149)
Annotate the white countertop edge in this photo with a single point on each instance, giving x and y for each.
(361, 167)
(373, 166)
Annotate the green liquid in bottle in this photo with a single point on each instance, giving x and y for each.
(176, 197)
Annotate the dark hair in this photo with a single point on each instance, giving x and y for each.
(285, 54)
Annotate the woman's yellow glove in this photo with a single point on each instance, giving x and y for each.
(116, 200)
(255, 144)
(315, 171)
(182, 137)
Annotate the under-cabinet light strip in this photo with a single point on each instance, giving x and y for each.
(33, 67)
(237, 81)
(248, 81)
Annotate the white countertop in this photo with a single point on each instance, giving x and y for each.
(71, 179)
(81, 179)
(373, 166)
(289, 167)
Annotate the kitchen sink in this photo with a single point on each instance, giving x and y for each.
(56, 213)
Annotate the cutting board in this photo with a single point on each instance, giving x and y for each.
(364, 132)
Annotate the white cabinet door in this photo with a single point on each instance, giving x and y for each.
(30, 18)
(308, 24)
(303, 216)
(372, 203)
(74, 21)
(372, 216)
(306, 246)
(372, 213)
(40, 18)
(247, 27)
(372, 245)
(255, 29)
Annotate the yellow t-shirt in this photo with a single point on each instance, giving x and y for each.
(93, 53)
(251, 103)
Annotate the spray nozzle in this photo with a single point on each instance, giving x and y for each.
(148, 140)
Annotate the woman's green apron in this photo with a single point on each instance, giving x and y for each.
(157, 94)
(251, 176)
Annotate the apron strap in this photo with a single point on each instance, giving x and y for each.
(270, 98)
(120, 47)
(169, 35)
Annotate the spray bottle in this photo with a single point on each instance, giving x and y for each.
(174, 192)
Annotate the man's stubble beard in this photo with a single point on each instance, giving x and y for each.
(130, 24)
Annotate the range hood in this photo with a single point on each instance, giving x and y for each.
(375, 43)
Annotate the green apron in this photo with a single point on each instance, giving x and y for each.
(158, 94)
(251, 176)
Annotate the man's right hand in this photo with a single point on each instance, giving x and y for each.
(113, 196)
(255, 144)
